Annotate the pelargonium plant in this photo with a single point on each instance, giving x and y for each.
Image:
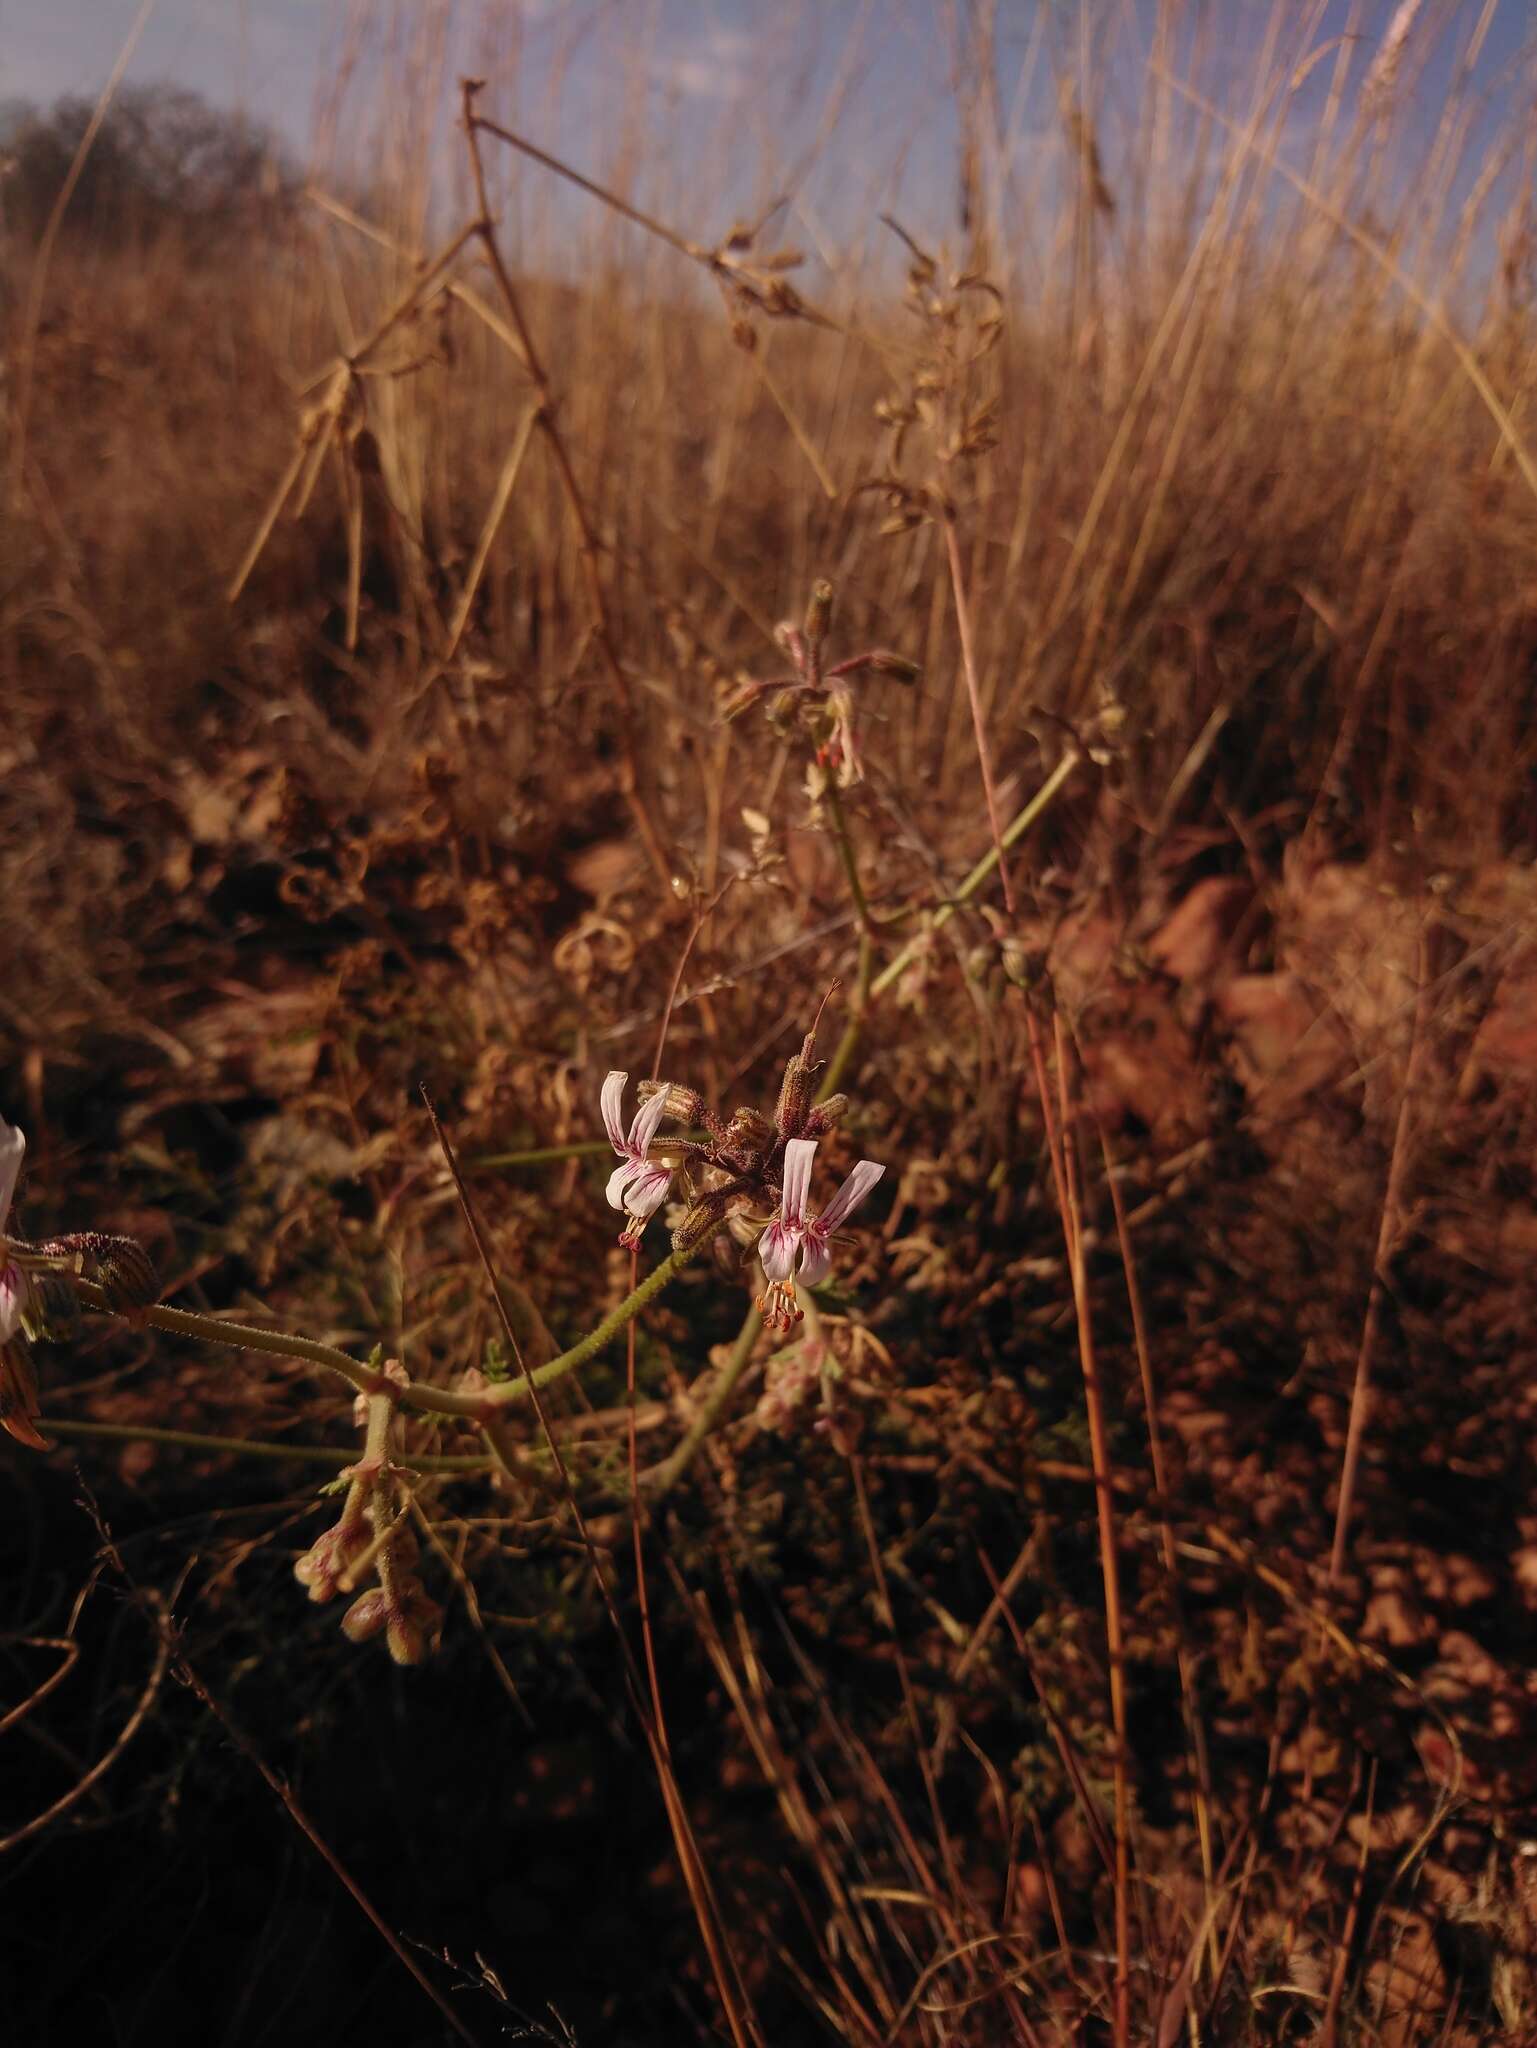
(741, 1185)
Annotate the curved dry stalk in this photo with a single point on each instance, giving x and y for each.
(40, 1692)
(103, 1764)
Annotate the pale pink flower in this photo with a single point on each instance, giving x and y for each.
(797, 1241)
(13, 1282)
(638, 1185)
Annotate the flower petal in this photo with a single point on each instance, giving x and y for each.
(850, 1195)
(13, 1144)
(644, 1128)
(13, 1299)
(816, 1259)
(613, 1110)
(619, 1181)
(648, 1190)
(777, 1248)
(799, 1154)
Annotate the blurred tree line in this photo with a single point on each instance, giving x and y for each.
(162, 159)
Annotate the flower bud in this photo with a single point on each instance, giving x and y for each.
(684, 1105)
(325, 1564)
(795, 1093)
(120, 1266)
(366, 1616)
(736, 697)
(746, 1138)
(408, 1634)
(127, 1274)
(884, 663)
(819, 613)
(826, 1116)
(781, 712)
(701, 1221)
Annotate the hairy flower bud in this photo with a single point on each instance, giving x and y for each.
(701, 1221)
(796, 1091)
(326, 1563)
(826, 1116)
(684, 1105)
(819, 613)
(120, 1266)
(884, 663)
(746, 1139)
(366, 1616)
(782, 710)
(408, 1633)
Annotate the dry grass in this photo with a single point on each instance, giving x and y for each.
(1232, 1114)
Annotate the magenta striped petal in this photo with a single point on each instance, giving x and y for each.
(799, 1156)
(777, 1248)
(648, 1190)
(850, 1195)
(13, 1299)
(647, 1119)
(816, 1259)
(613, 1110)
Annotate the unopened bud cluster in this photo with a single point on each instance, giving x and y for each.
(372, 1537)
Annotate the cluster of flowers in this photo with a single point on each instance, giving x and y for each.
(744, 1165)
(372, 1535)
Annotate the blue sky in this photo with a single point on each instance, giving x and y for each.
(737, 87)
